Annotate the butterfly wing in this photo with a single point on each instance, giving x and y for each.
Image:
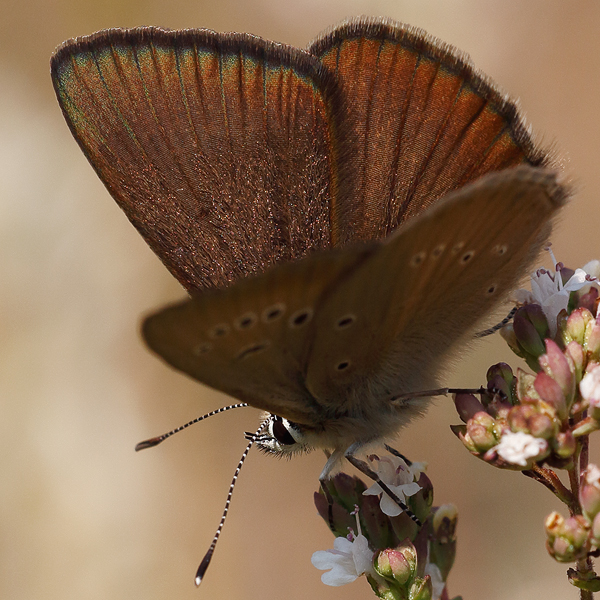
(216, 146)
(425, 122)
(427, 286)
(253, 339)
(372, 320)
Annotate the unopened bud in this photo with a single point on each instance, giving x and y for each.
(567, 539)
(501, 379)
(467, 406)
(421, 589)
(442, 545)
(528, 336)
(552, 394)
(481, 431)
(596, 531)
(564, 444)
(575, 352)
(391, 563)
(592, 340)
(576, 325)
(589, 492)
(558, 366)
(590, 390)
(589, 300)
(509, 336)
(542, 426)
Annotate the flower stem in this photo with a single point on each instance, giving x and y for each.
(550, 479)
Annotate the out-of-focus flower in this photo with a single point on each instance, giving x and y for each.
(400, 479)
(590, 387)
(521, 448)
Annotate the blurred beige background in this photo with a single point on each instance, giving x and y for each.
(82, 515)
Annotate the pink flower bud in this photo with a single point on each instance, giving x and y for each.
(551, 393)
(589, 493)
(391, 563)
(575, 352)
(556, 365)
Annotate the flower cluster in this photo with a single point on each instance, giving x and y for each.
(539, 422)
(528, 418)
(377, 539)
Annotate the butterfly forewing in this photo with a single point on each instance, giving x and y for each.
(254, 340)
(217, 146)
(425, 123)
(427, 286)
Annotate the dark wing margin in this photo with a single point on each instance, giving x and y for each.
(426, 122)
(218, 147)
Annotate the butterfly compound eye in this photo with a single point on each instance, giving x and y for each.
(281, 433)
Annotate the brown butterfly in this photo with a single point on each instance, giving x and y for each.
(342, 216)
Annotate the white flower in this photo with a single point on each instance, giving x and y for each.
(592, 268)
(548, 290)
(590, 387)
(400, 479)
(437, 583)
(519, 448)
(592, 475)
(348, 560)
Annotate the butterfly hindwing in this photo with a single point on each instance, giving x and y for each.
(254, 339)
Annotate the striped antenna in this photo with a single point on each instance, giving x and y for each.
(208, 556)
(161, 438)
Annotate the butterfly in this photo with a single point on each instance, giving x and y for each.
(341, 216)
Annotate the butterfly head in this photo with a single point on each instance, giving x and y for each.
(281, 437)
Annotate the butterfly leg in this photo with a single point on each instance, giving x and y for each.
(398, 454)
(363, 467)
(332, 459)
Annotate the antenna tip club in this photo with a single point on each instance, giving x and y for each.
(149, 443)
